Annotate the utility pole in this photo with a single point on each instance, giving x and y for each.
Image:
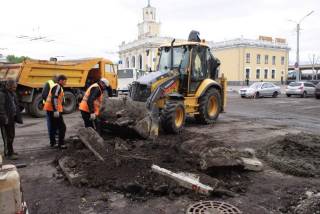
(297, 65)
(297, 56)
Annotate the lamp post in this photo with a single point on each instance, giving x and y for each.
(298, 77)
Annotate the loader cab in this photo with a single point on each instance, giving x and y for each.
(193, 61)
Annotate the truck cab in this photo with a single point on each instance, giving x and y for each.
(125, 78)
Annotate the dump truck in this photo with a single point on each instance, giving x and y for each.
(32, 74)
(187, 83)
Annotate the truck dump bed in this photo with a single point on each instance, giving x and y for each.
(34, 73)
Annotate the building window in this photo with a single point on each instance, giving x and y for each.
(282, 60)
(248, 58)
(140, 62)
(247, 73)
(273, 60)
(127, 62)
(258, 74)
(273, 73)
(266, 73)
(258, 58)
(133, 62)
(266, 59)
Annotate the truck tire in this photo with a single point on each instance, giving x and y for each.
(173, 117)
(209, 107)
(36, 107)
(70, 102)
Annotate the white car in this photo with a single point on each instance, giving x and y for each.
(126, 77)
(260, 89)
(303, 89)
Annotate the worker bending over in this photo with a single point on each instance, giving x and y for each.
(91, 102)
(54, 108)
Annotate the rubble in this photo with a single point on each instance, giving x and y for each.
(91, 139)
(127, 167)
(295, 154)
(73, 177)
(310, 205)
(211, 156)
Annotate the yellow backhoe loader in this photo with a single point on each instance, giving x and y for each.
(187, 83)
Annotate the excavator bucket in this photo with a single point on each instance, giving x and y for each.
(128, 118)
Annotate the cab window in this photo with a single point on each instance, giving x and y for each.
(108, 68)
(199, 67)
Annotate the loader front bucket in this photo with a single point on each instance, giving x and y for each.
(128, 118)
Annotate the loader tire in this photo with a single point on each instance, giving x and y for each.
(173, 117)
(209, 107)
(70, 102)
(36, 107)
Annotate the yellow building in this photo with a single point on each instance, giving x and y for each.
(265, 59)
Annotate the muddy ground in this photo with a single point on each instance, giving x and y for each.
(259, 124)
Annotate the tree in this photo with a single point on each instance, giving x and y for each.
(16, 59)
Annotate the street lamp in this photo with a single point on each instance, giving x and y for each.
(298, 44)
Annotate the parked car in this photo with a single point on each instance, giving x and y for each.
(317, 92)
(302, 89)
(260, 89)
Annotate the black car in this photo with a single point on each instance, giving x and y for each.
(317, 92)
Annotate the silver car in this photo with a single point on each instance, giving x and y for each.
(302, 89)
(260, 89)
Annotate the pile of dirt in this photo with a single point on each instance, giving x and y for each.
(127, 167)
(125, 117)
(295, 154)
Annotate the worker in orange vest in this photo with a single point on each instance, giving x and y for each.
(91, 102)
(54, 108)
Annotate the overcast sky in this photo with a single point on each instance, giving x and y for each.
(88, 28)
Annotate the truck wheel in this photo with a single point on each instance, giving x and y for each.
(70, 102)
(317, 96)
(173, 116)
(209, 107)
(36, 107)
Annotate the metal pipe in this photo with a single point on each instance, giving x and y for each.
(172, 53)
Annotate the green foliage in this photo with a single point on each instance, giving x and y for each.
(16, 59)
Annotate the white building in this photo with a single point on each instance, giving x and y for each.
(142, 53)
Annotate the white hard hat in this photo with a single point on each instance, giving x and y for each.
(105, 81)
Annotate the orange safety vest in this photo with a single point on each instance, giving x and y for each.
(96, 103)
(48, 104)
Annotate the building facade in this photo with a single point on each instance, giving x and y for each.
(143, 52)
(243, 60)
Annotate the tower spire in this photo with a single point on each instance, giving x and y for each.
(148, 3)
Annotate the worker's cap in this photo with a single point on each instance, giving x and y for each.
(105, 81)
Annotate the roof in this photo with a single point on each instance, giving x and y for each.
(70, 62)
(242, 42)
(185, 43)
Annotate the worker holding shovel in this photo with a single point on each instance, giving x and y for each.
(91, 102)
